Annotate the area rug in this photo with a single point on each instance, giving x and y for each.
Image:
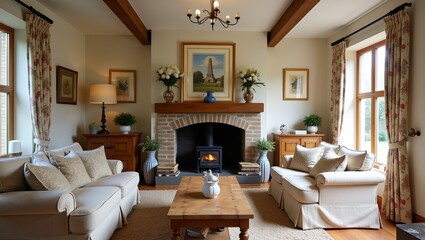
(149, 221)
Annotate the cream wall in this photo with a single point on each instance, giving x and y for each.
(417, 98)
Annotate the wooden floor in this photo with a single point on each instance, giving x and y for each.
(386, 233)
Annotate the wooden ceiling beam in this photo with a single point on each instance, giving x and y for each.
(125, 12)
(293, 15)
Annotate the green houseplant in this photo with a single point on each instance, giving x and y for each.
(263, 147)
(125, 120)
(312, 122)
(150, 146)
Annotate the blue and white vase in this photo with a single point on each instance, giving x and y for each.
(210, 97)
(264, 163)
(149, 167)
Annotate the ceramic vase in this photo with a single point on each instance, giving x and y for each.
(264, 163)
(125, 129)
(248, 95)
(168, 95)
(149, 167)
(209, 98)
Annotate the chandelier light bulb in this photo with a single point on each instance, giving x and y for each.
(216, 4)
(198, 12)
(189, 11)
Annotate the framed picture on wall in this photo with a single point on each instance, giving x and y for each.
(66, 85)
(125, 82)
(208, 67)
(295, 84)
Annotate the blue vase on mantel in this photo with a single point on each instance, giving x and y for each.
(210, 97)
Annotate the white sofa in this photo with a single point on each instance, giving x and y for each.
(343, 198)
(92, 211)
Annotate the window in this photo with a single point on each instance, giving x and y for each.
(371, 123)
(6, 87)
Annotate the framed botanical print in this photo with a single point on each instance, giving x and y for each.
(125, 82)
(208, 67)
(295, 84)
(66, 85)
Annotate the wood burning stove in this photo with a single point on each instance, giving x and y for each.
(209, 157)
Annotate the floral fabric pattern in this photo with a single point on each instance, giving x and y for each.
(337, 90)
(39, 78)
(397, 198)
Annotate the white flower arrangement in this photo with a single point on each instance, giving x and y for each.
(169, 75)
(250, 77)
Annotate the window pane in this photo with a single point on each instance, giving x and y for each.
(365, 75)
(365, 124)
(382, 137)
(4, 44)
(380, 71)
(3, 123)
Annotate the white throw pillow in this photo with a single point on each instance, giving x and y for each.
(45, 177)
(95, 162)
(326, 145)
(357, 160)
(305, 158)
(329, 162)
(73, 168)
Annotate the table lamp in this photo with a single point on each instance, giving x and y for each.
(103, 94)
(15, 148)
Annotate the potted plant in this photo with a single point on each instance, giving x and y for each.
(125, 120)
(250, 79)
(263, 147)
(312, 122)
(150, 146)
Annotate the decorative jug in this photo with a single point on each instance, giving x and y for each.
(210, 189)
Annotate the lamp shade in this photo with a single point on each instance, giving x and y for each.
(103, 93)
(15, 147)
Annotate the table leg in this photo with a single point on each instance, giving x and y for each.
(176, 234)
(244, 234)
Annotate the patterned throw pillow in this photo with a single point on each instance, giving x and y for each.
(305, 158)
(44, 177)
(329, 162)
(73, 168)
(357, 160)
(95, 162)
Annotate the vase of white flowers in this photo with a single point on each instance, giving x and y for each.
(250, 78)
(169, 76)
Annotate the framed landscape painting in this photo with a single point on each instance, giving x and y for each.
(66, 85)
(125, 82)
(208, 67)
(295, 84)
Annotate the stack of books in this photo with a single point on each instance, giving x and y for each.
(168, 169)
(197, 232)
(249, 168)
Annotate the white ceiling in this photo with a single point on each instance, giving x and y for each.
(327, 17)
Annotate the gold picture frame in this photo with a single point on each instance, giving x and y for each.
(125, 82)
(295, 83)
(208, 67)
(66, 85)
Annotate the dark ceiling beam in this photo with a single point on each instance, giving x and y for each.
(127, 15)
(293, 15)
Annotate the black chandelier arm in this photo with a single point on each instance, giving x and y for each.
(227, 23)
(199, 22)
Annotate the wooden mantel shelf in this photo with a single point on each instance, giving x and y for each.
(200, 107)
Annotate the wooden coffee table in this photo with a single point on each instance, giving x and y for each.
(191, 209)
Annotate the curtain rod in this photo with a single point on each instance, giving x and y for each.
(392, 12)
(44, 17)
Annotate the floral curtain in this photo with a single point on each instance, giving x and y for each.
(39, 78)
(397, 199)
(337, 90)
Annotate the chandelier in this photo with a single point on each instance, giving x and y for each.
(212, 15)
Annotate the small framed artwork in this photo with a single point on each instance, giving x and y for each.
(208, 67)
(66, 85)
(295, 84)
(125, 82)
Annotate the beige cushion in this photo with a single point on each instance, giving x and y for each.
(73, 168)
(302, 188)
(278, 173)
(305, 158)
(65, 150)
(357, 160)
(45, 177)
(95, 162)
(126, 181)
(326, 145)
(11, 174)
(329, 162)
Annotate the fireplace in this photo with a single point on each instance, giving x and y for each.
(209, 157)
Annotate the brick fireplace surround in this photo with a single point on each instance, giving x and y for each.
(172, 116)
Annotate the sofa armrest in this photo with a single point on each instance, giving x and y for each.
(349, 178)
(115, 165)
(36, 202)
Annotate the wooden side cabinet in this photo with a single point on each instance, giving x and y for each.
(286, 143)
(118, 146)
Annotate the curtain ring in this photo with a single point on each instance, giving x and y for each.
(412, 132)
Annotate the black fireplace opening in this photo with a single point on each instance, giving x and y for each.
(214, 146)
